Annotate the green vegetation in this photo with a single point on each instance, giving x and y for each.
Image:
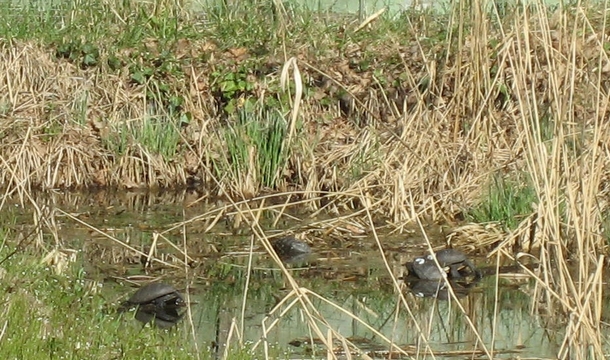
(256, 150)
(508, 201)
(68, 315)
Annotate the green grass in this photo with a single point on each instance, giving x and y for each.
(90, 20)
(157, 135)
(48, 315)
(508, 201)
(256, 138)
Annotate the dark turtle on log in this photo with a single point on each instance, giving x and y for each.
(458, 263)
(426, 269)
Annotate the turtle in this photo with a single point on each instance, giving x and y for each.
(290, 247)
(458, 263)
(425, 268)
(155, 296)
(453, 264)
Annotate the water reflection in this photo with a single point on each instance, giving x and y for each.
(348, 273)
(161, 317)
(370, 299)
(439, 288)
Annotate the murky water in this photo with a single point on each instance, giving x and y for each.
(372, 300)
(232, 291)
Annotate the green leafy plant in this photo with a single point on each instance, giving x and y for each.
(230, 87)
(84, 54)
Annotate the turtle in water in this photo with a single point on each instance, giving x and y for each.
(155, 296)
(453, 264)
(290, 248)
(458, 263)
(426, 269)
(156, 302)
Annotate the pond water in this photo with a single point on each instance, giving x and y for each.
(232, 290)
(334, 6)
(370, 297)
(362, 7)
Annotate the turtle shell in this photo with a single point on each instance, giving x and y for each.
(290, 246)
(159, 294)
(426, 269)
(447, 257)
(458, 263)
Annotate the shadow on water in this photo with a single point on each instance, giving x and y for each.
(344, 269)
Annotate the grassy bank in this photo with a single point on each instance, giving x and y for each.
(50, 314)
(483, 113)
